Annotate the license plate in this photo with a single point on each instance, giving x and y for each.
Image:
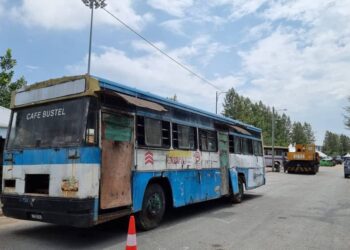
(36, 216)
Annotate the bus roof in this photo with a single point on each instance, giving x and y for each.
(107, 84)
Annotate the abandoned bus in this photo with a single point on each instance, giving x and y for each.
(83, 150)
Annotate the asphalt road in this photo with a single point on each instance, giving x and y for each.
(290, 212)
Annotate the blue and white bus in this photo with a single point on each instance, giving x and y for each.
(83, 150)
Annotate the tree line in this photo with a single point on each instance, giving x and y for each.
(335, 144)
(260, 115)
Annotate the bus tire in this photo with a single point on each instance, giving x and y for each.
(239, 197)
(153, 208)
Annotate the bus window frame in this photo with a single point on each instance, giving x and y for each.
(249, 146)
(239, 140)
(206, 131)
(97, 113)
(260, 148)
(71, 144)
(195, 135)
(141, 132)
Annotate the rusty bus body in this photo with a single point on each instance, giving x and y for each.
(83, 150)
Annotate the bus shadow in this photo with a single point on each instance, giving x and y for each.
(178, 215)
(61, 237)
(109, 234)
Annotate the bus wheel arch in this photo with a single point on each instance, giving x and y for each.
(241, 177)
(168, 192)
(157, 197)
(241, 183)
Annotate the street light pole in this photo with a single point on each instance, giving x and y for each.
(90, 40)
(92, 4)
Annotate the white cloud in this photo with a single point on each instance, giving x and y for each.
(32, 67)
(175, 26)
(142, 46)
(303, 67)
(175, 8)
(257, 32)
(152, 72)
(201, 50)
(305, 11)
(241, 8)
(72, 15)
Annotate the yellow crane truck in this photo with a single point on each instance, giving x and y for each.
(305, 159)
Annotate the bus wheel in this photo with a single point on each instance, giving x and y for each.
(153, 207)
(239, 197)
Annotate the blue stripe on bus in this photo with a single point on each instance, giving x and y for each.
(88, 155)
(188, 186)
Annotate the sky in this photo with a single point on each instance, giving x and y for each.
(292, 55)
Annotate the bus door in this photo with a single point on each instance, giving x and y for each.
(224, 161)
(117, 160)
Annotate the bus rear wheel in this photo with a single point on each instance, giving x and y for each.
(153, 207)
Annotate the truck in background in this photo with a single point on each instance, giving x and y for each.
(305, 159)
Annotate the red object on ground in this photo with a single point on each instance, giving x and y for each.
(131, 243)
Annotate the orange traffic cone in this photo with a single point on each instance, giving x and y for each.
(131, 243)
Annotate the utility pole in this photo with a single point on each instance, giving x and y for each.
(92, 4)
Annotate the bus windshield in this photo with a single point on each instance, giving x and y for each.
(50, 125)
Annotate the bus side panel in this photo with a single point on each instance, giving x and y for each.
(194, 185)
(252, 167)
(234, 180)
(210, 182)
(187, 186)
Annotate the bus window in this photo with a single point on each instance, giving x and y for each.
(260, 148)
(208, 140)
(184, 137)
(50, 125)
(237, 145)
(91, 125)
(250, 146)
(257, 148)
(231, 144)
(152, 132)
(247, 146)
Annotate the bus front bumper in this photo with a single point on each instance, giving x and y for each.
(62, 211)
